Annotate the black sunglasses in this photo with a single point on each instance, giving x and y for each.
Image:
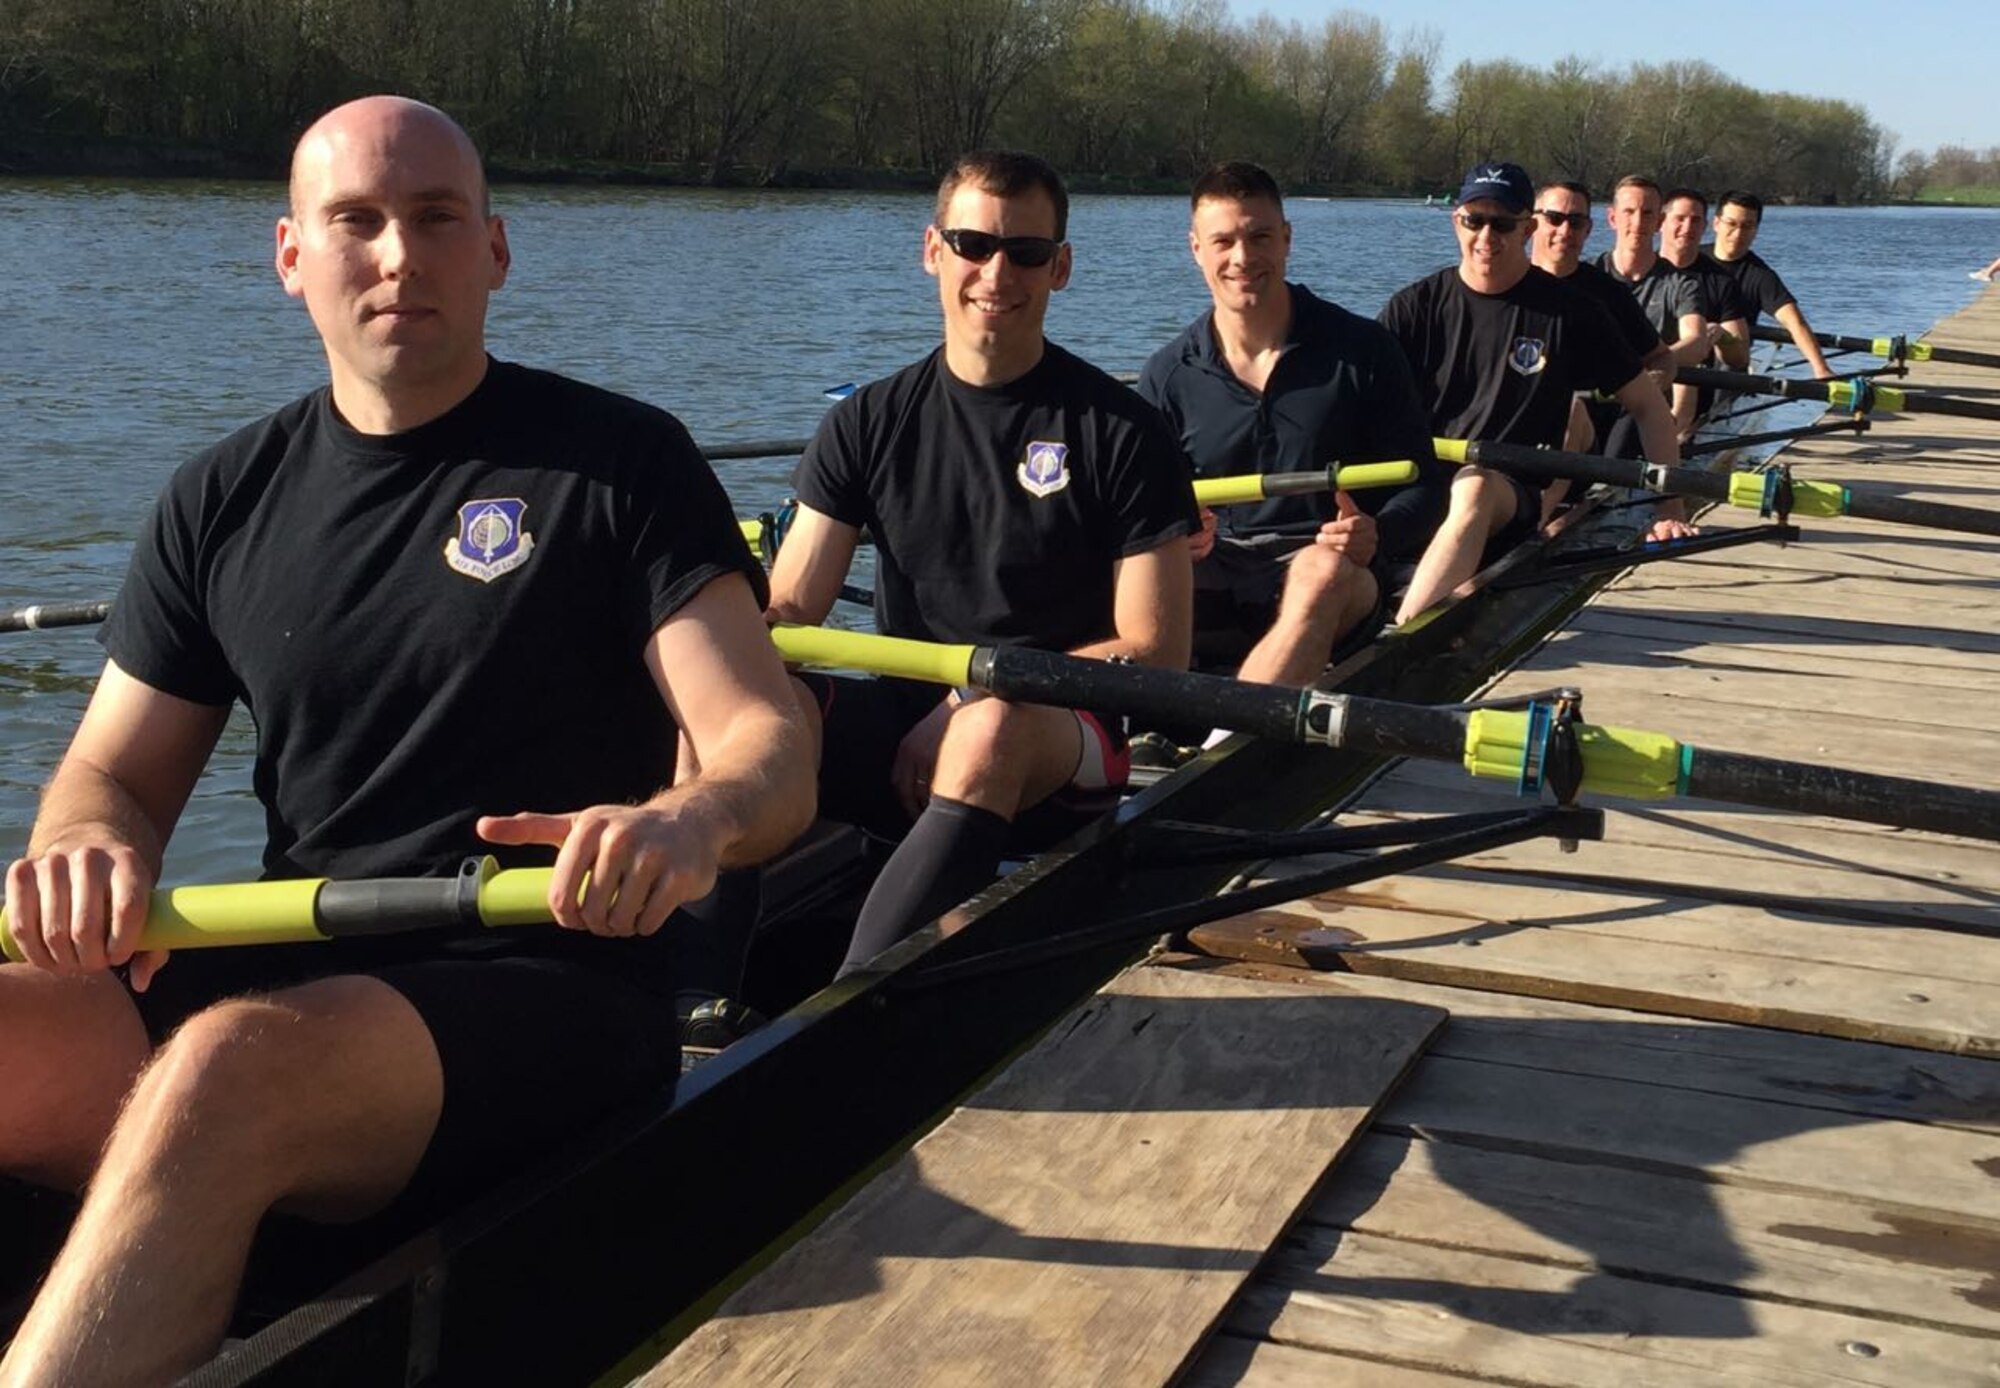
(1479, 221)
(1560, 219)
(1028, 252)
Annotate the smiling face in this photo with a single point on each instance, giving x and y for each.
(1491, 260)
(1558, 245)
(1681, 230)
(1241, 247)
(993, 309)
(390, 246)
(1635, 218)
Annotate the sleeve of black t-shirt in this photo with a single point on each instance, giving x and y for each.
(158, 631)
(685, 534)
(1395, 423)
(1763, 287)
(830, 478)
(1630, 320)
(1401, 316)
(1689, 296)
(1146, 484)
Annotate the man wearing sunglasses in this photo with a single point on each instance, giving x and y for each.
(1499, 348)
(1275, 379)
(1737, 219)
(1017, 496)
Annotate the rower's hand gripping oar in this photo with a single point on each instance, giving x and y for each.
(1523, 746)
(307, 909)
(1768, 493)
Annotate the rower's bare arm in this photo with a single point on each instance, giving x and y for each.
(1153, 608)
(720, 676)
(1657, 438)
(1735, 345)
(77, 901)
(1695, 342)
(811, 565)
(1794, 322)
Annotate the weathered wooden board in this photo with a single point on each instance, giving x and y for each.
(1230, 1361)
(1816, 1250)
(1854, 1078)
(1089, 1215)
(1776, 645)
(1448, 1310)
(1907, 1168)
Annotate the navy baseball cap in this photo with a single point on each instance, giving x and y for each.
(1506, 184)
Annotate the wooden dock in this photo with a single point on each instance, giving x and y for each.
(1717, 1100)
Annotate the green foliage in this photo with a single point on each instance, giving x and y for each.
(1132, 92)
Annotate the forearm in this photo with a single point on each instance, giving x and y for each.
(755, 792)
(1802, 338)
(82, 802)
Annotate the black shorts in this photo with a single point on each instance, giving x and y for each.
(540, 1032)
(867, 719)
(1236, 593)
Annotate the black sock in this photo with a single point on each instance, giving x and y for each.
(950, 852)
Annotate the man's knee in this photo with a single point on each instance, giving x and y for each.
(1485, 496)
(1326, 581)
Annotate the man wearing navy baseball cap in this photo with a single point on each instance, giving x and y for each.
(1498, 348)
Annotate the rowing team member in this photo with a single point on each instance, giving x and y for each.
(523, 592)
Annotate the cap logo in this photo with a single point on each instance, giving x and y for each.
(490, 540)
(1044, 468)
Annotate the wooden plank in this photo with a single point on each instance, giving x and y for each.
(1447, 1310)
(1471, 951)
(1230, 1361)
(1819, 618)
(1848, 1077)
(1708, 648)
(1781, 641)
(1088, 1215)
(1806, 1249)
(1905, 1168)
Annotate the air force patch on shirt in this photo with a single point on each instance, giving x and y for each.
(1528, 355)
(490, 540)
(1044, 469)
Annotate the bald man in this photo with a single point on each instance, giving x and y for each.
(472, 606)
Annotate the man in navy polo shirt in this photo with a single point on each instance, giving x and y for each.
(1275, 379)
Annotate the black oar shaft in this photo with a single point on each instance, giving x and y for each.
(1934, 515)
(761, 448)
(1859, 395)
(1884, 347)
(1799, 788)
(54, 614)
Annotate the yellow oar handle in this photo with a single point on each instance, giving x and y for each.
(1450, 450)
(1236, 491)
(315, 908)
(753, 531)
(831, 648)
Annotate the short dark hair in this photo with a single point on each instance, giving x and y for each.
(1236, 180)
(1749, 202)
(1005, 173)
(1568, 185)
(1635, 181)
(1692, 194)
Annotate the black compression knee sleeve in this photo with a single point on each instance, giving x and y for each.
(951, 852)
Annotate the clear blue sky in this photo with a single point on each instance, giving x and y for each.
(1927, 70)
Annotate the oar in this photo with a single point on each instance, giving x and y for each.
(54, 614)
(1252, 487)
(1890, 348)
(274, 913)
(763, 448)
(1500, 744)
(1859, 394)
(1763, 492)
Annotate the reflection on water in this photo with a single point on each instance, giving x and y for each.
(144, 322)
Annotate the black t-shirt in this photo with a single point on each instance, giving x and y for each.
(1724, 296)
(1619, 304)
(1340, 392)
(998, 513)
(1757, 284)
(431, 625)
(1665, 294)
(1502, 367)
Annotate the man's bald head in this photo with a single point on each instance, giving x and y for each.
(381, 119)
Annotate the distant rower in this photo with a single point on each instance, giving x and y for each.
(1737, 220)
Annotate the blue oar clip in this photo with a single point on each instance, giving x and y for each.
(1535, 747)
(1864, 394)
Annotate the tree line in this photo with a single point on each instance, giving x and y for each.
(1117, 93)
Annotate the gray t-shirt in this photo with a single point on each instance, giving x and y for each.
(1665, 294)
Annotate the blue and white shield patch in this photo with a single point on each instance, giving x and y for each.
(1528, 355)
(1044, 468)
(490, 539)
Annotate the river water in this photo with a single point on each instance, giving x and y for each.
(140, 322)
